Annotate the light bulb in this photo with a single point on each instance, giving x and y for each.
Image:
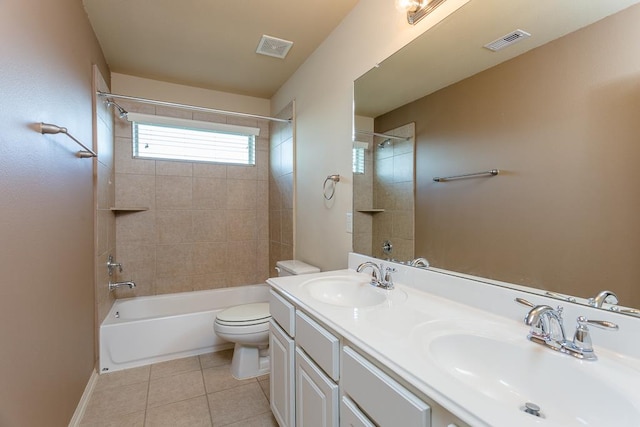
(408, 5)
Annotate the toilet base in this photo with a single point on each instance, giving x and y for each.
(249, 362)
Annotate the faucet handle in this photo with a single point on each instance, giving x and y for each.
(582, 337)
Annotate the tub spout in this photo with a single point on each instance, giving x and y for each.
(116, 285)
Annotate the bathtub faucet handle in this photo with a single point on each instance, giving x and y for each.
(111, 265)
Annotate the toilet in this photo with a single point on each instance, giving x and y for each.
(247, 326)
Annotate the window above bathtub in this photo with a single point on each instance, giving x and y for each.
(169, 138)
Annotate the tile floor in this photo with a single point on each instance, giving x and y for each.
(194, 391)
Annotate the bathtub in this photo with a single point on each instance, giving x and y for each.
(143, 330)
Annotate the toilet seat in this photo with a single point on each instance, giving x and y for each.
(245, 315)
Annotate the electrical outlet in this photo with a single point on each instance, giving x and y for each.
(349, 222)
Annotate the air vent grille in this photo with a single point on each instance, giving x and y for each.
(507, 40)
(273, 46)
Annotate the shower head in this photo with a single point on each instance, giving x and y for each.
(122, 113)
(385, 143)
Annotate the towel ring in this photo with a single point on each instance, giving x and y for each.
(334, 179)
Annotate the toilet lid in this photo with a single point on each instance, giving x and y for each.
(245, 314)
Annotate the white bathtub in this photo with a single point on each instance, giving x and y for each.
(143, 330)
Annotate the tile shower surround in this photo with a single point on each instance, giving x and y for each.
(207, 225)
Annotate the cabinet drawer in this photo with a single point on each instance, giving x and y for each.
(320, 344)
(383, 399)
(351, 416)
(283, 312)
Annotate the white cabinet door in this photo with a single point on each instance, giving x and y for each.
(316, 395)
(281, 349)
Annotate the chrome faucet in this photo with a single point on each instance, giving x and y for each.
(111, 265)
(602, 297)
(116, 285)
(380, 275)
(419, 262)
(547, 329)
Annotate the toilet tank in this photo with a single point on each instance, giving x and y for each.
(293, 268)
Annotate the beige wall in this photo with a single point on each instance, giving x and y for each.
(323, 90)
(281, 170)
(206, 225)
(561, 124)
(47, 215)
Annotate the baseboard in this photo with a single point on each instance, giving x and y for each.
(84, 400)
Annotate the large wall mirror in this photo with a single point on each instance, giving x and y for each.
(557, 113)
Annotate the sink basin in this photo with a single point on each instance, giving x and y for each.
(511, 371)
(347, 291)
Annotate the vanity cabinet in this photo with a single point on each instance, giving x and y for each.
(319, 379)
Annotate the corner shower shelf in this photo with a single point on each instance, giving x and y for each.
(129, 209)
(370, 211)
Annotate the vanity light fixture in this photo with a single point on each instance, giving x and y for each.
(417, 9)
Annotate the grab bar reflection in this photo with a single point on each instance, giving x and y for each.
(492, 172)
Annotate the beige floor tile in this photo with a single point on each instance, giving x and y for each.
(219, 378)
(135, 419)
(263, 377)
(237, 404)
(262, 420)
(186, 413)
(264, 385)
(173, 367)
(113, 401)
(219, 358)
(175, 388)
(125, 377)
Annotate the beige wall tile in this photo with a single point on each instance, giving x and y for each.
(209, 193)
(174, 226)
(287, 226)
(172, 285)
(174, 260)
(210, 170)
(210, 281)
(174, 168)
(241, 225)
(180, 113)
(125, 163)
(135, 190)
(242, 172)
(137, 227)
(209, 225)
(173, 192)
(241, 194)
(208, 258)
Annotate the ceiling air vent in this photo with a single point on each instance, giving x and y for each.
(272, 46)
(508, 40)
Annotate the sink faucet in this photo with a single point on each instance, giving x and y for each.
(380, 275)
(419, 262)
(602, 297)
(116, 285)
(547, 329)
(546, 325)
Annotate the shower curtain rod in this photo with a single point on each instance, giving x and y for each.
(189, 107)
(383, 135)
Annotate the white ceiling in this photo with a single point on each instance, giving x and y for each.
(453, 50)
(212, 43)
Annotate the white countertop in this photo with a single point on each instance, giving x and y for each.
(397, 333)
